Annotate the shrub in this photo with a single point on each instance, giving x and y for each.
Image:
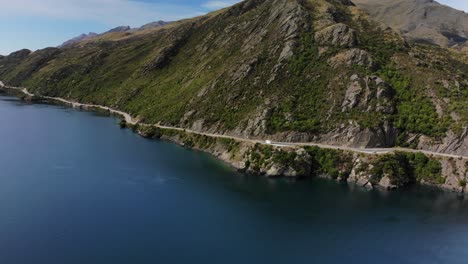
(462, 183)
(406, 168)
(330, 162)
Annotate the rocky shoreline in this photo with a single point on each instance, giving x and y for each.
(342, 166)
(389, 171)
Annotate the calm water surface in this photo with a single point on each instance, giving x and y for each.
(76, 189)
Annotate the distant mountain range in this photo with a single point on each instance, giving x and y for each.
(78, 39)
(119, 29)
(83, 37)
(424, 21)
(155, 24)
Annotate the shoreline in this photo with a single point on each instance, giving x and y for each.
(132, 121)
(217, 148)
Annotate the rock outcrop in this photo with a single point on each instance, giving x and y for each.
(452, 143)
(362, 92)
(352, 57)
(353, 94)
(455, 173)
(339, 35)
(352, 135)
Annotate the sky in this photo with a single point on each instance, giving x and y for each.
(36, 24)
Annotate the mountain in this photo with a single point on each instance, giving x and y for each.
(424, 21)
(78, 39)
(155, 24)
(119, 29)
(288, 70)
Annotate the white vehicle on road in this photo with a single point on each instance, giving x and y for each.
(268, 142)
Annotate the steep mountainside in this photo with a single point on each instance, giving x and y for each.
(293, 70)
(421, 20)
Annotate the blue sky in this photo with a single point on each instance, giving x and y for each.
(36, 24)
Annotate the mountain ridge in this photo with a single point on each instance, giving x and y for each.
(119, 29)
(425, 21)
(78, 39)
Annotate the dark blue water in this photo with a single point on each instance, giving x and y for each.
(76, 189)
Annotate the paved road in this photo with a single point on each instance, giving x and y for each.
(130, 120)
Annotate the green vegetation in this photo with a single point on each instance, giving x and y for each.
(406, 168)
(258, 157)
(264, 156)
(334, 163)
(149, 131)
(416, 113)
(122, 123)
(230, 144)
(462, 183)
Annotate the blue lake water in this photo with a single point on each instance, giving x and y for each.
(74, 188)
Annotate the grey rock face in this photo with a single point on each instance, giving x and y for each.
(358, 176)
(385, 94)
(353, 94)
(293, 20)
(362, 92)
(256, 124)
(452, 143)
(455, 172)
(275, 171)
(243, 70)
(355, 136)
(337, 35)
(290, 172)
(198, 125)
(352, 57)
(386, 183)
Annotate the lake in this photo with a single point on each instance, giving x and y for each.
(74, 188)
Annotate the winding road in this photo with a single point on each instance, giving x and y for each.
(130, 120)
